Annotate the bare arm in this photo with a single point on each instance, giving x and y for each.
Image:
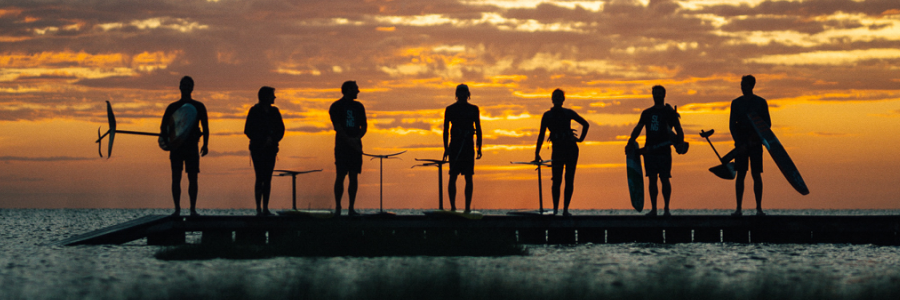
(204, 124)
(446, 135)
(584, 127)
(634, 135)
(540, 139)
(478, 134)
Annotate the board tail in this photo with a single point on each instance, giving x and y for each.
(112, 128)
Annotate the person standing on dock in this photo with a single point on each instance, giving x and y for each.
(565, 146)
(265, 128)
(747, 144)
(462, 122)
(349, 119)
(180, 132)
(659, 120)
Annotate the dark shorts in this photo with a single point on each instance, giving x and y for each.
(461, 157)
(659, 164)
(186, 158)
(347, 160)
(752, 157)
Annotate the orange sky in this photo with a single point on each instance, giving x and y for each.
(827, 67)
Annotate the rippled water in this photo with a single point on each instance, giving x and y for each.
(29, 269)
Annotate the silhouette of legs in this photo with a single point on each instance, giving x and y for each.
(192, 192)
(667, 194)
(451, 191)
(176, 190)
(757, 191)
(468, 192)
(263, 165)
(339, 192)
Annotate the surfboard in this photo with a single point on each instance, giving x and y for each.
(318, 214)
(473, 215)
(183, 121)
(778, 153)
(635, 177)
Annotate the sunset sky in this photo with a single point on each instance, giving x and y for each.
(830, 70)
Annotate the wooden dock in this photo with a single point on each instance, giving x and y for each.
(167, 230)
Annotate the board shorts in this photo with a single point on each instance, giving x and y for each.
(186, 158)
(752, 157)
(565, 157)
(462, 157)
(347, 159)
(658, 164)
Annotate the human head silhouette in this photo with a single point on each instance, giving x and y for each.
(350, 89)
(186, 85)
(462, 93)
(558, 97)
(266, 95)
(747, 84)
(659, 95)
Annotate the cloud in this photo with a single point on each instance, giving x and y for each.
(848, 57)
(44, 158)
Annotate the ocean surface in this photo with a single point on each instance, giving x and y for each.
(32, 269)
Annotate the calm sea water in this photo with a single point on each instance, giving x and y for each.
(30, 269)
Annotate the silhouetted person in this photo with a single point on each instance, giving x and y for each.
(349, 120)
(659, 120)
(180, 132)
(565, 146)
(265, 128)
(748, 146)
(462, 122)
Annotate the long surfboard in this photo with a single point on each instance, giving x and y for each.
(778, 153)
(635, 177)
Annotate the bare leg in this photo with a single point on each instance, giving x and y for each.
(468, 192)
(451, 191)
(352, 186)
(739, 190)
(758, 191)
(192, 192)
(338, 192)
(570, 187)
(667, 193)
(176, 191)
(654, 192)
(557, 171)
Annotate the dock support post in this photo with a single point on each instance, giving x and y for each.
(634, 235)
(216, 237)
(250, 237)
(532, 236)
(166, 238)
(591, 235)
(735, 235)
(677, 235)
(565, 236)
(707, 235)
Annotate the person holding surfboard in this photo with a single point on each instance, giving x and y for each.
(179, 133)
(565, 147)
(265, 128)
(747, 144)
(462, 122)
(659, 120)
(349, 120)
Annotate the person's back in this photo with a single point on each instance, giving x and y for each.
(748, 146)
(659, 121)
(560, 125)
(462, 123)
